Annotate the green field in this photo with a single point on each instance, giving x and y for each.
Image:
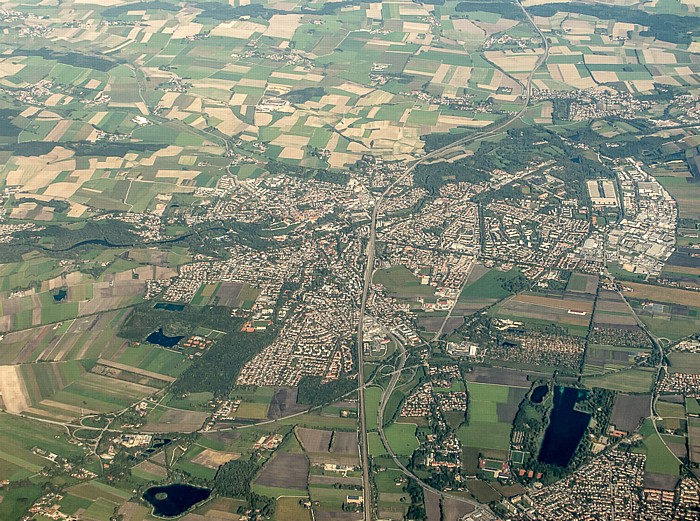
(659, 459)
(684, 362)
(484, 430)
(634, 380)
(489, 285)
(155, 359)
(400, 281)
(289, 509)
(276, 492)
(372, 397)
(577, 282)
(18, 438)
(15, 502)
(402, 438)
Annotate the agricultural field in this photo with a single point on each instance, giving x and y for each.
(581, 283)
(605, 359)
(565, 309)
(173, 169)
(20, 438)
(73, 301)
(289, 509)
(659, 459)
(492, 409)
(629, 410)
(323, 446)
(288, 471)
(633, 380)
(402, 438)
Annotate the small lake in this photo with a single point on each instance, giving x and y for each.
(174, 500)
(538, 394)
(163, 340)
(60, 295)
(168, 306)
(566, 426)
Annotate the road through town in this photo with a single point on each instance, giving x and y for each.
(369, 271)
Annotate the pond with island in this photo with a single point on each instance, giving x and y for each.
(175, 499)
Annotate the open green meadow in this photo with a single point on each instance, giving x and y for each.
(401, 282)
(485, 429)
(659, 459)
(489, 285)
(402, 438)
(634, 380)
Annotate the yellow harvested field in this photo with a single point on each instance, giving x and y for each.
(230, 124)
(262, 119)
(57, 132)
(578, 26)
(416, 27)
(168, 99)
(640, 85)
(29, 111)
(355, 88)
(92, 84)
(459, 121)
(14, 394)
(378, 97)
(291, 140)
(512, 62)
(441, 73)
(568, 73)
(620, 29)
(341, 159)
(97, 118)
(374, 11)
(461, 76)
(283, 26)
(604, 76)
(213, 459)
(184, 30)
(8, 68)
(292, 153)
(178, 174)
(107, 163)
(464, 25)
(659, 57)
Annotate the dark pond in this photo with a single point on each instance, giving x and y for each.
(160, 442)
(60, 295)
(566, 426)
(169, 306)
(157, 337)
(538, 394)
(173, 500)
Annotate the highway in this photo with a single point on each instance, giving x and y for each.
(369, 272)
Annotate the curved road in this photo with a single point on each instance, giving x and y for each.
(369, 270)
